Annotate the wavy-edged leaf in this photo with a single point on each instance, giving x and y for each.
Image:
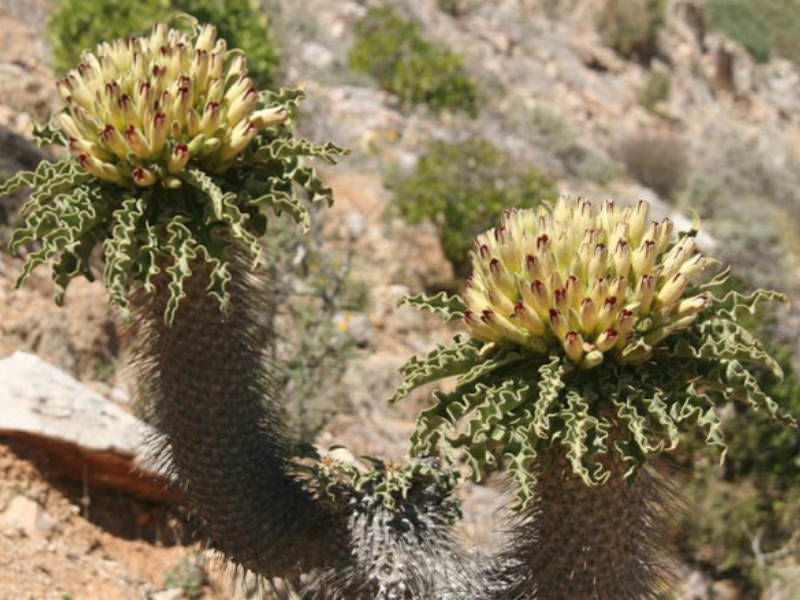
(584, 436)
(550, 383)
(442, 361)
(47, 135)
(120, 250)
(450, 307)
(47, 176)
(733, 302)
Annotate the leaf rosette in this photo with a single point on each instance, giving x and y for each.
(591, 330)
(175, 156)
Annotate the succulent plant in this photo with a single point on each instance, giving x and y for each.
(175, 155)
(596, 284)
(594, 335)
(140, 109)
(592, 330)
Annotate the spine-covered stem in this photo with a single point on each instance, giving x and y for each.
(204, 384)
(600, 542)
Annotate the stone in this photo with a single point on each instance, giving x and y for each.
(725, 589)
(26, 516)
(40, 399)
(355, 223)
(171, 594)
(316, 55)
(89, 437)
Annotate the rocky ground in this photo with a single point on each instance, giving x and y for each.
(551, 91)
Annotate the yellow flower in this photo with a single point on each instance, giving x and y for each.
(140, 110)
(597, 282)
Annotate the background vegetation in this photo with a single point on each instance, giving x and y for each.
(462, 188)
(78, 25)
(741, 511)
(403, 62)
(763, 27)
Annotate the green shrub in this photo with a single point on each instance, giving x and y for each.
(631, 26)
(78, 25)
(783, 18)
(743, 22)
(761, 26)
(655, 90)
(659, 161)
(393, 51)
(462, 188)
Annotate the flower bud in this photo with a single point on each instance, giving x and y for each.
(558, 323)
(592, 359)
(241, 136)
(607, 313)
(528, 319)
(207, 38)
(671, 291)
(178, 158)
(211, 119)
(535, 296)
(588, 314)
(692, 306)
(607, 339)
(143, 177)
(157, 133)
(137, 142)
(479, 328)
(638, 222)
(573, 345)
(69, 126)
(114, 141)
(644, 257)
(100, 169)
(622, 258)
(646, 293)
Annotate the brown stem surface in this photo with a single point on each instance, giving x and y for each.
(592, 543)
(204, 384)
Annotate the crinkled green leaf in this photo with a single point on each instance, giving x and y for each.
(733, 302)
(584, 436)
(451, 308)
(440, 362)
(120, 250)
(70, 212)
(550, 383)
(46, 179)
(47, 135)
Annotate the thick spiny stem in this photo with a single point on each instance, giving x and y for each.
(204, 384)
(598, 543)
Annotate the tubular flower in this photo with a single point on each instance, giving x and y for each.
(596, 282)
(140, 110)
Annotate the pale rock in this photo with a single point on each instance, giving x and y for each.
(355, 223)
(40, 399)
(725, 589)
(695, 587)
(317, 55)
(171, 594)
(26, 516)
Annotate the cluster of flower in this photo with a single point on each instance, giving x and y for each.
(139, 110)
(594, 281)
